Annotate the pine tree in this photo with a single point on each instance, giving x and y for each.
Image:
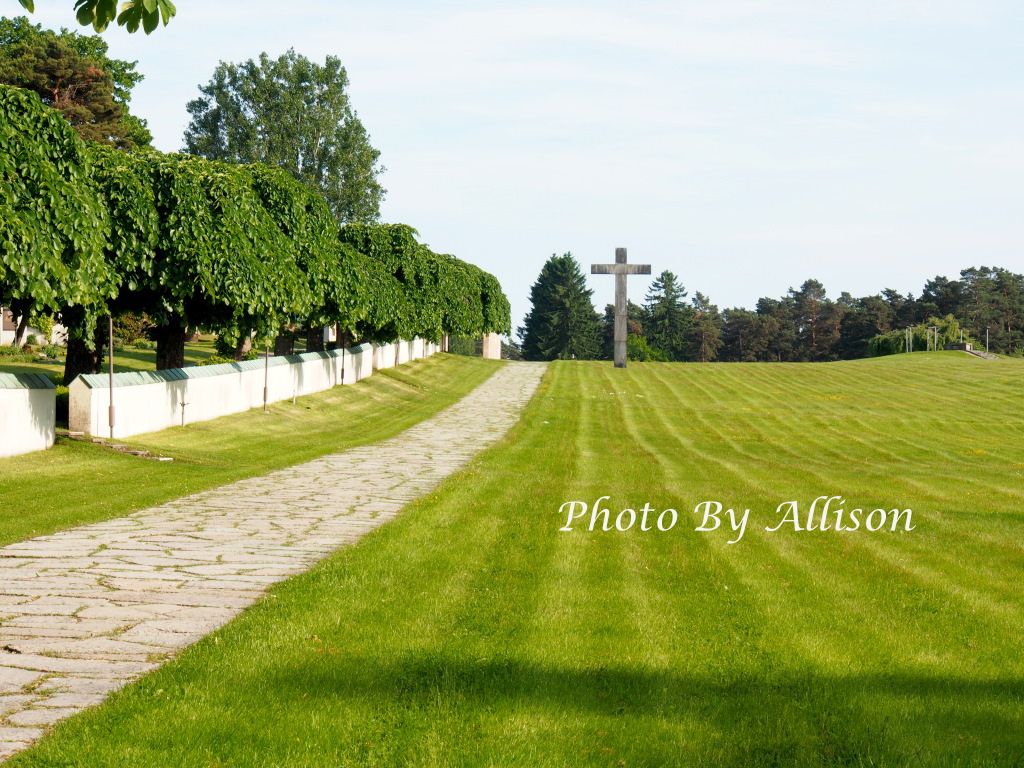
(563, 323)
(707, 328)
(668, 319)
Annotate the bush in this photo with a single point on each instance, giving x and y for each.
(31, 340)
(52, 351)
(62, 405)
(43, 324)
(638, 349)
(143, 344)
(220, 359)
(15, 355)
(131, 326)
(465, 345)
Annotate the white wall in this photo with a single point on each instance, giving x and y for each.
(147, 401)
(28, 413)
(59, 335)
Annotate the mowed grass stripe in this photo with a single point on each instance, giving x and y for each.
(470, 631)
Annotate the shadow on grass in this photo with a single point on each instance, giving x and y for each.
(781, 718)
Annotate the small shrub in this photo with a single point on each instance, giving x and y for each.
(220, 359)
(637, 348)
(62, 405)
(143, 344)
(131, 326)
(31, 340)
(468, 346)
(217, 360)
(43, 324)
(15, 354)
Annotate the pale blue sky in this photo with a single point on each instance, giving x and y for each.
(746, 146)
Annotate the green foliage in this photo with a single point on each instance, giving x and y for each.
(53, 223)
(73, 74)
(130, 327)
(468, 346)
(338, 287)
(63, 399)
(12, 354)
(706, 336)
(222, 261)
(180, 241)
(638, 348)
(42, 323)
(668, 320)
(562, 324)
(416, 292)
(229, 358)
(894, 342)
(292, 113)
(99, 13)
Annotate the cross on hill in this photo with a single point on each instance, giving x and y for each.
(620, 269)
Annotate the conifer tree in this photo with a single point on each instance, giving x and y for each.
(563, 323)
(669, 319)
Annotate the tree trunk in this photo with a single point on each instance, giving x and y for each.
(315, 339)
(284, 342)
(170, 345)
(80, 359)
(19, 335)
(243, 347)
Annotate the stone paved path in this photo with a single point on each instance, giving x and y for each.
(84, 611)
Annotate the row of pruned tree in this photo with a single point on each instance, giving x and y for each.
(87, 230)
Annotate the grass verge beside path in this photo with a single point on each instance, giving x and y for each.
(75, 483)
(470, 631)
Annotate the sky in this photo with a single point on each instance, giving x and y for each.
(745, 145)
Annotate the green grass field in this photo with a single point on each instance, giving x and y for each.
(472, 632)
(77, 482)
(127, 359)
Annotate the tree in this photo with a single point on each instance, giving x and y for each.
(817, 321)
(296, 114)
(73, 74)
(562, 324)
(746, 336)
(53, 223)
(635, 317)
(668, 319)
(134, 13)
(706, 329)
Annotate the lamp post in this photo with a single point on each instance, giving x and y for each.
(110, 371)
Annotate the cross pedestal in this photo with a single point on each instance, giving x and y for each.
(620, 269)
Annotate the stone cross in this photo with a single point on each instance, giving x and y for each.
(620, 269)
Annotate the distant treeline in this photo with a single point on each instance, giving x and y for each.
(807, 325)
(804, 325)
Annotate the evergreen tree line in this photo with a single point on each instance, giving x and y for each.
(805, 325)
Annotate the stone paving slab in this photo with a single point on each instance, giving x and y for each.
(87, 610)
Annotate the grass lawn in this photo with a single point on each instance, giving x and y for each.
(472, 632)
(76, 482)
(127, 359)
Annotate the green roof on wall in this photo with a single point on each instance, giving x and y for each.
(25, 381)
(133, 378)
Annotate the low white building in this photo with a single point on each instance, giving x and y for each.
(9, 327)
